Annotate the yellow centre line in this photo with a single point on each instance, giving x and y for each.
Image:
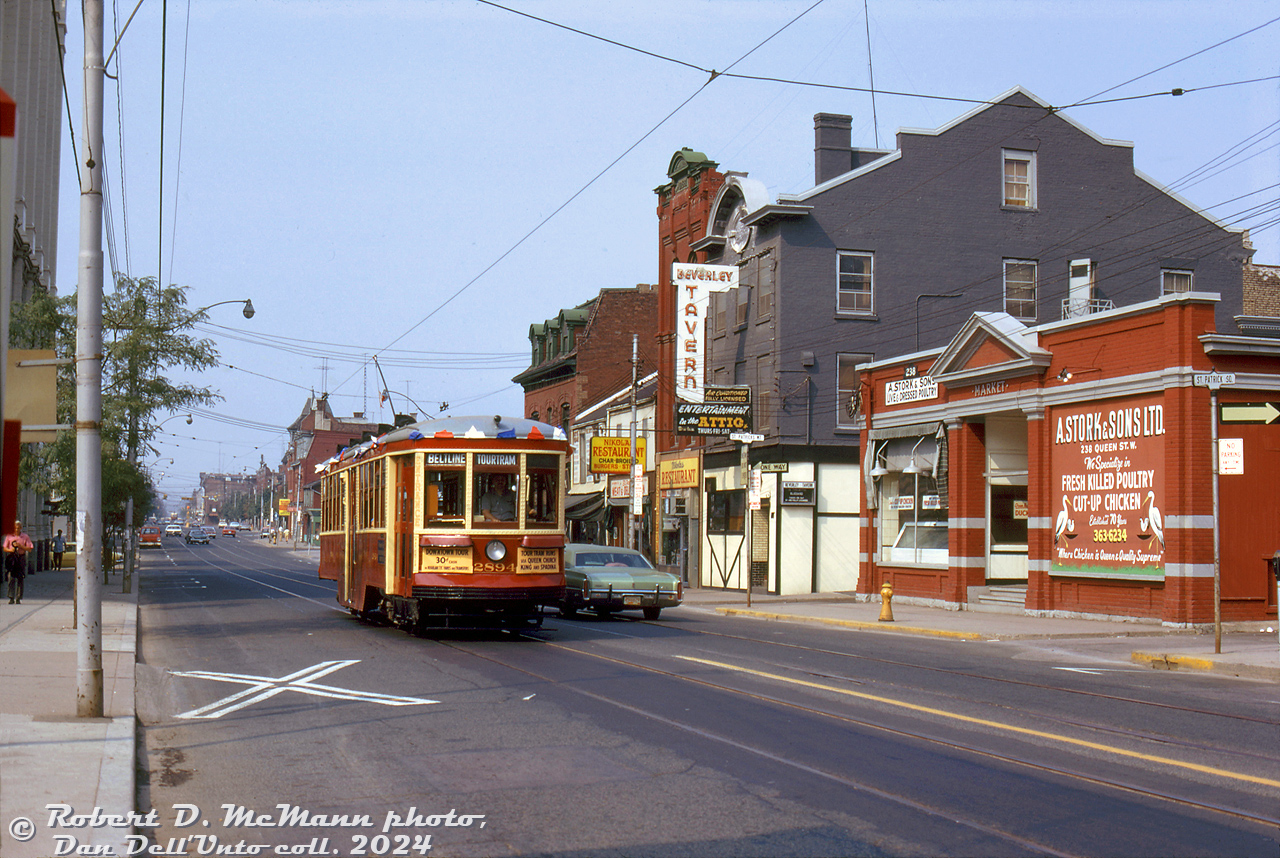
(997, 725)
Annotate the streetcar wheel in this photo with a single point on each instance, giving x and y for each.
(568, 611)
(652, 612)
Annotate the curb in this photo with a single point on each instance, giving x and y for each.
(853, 624)
(1171, 661)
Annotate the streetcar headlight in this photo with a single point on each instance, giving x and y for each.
(495, 550)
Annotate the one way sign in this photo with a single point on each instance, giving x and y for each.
(1248, 412)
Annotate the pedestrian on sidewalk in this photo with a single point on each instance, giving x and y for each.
(59, 548)
(16, 546)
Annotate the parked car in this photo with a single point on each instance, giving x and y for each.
(173, 530)
(149, 537)
(198, 536)
(608, 579)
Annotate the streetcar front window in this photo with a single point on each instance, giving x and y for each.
(496, 490)
(444, 498)
(544, 490)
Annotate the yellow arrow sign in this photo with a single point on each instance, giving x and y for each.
(1248, 412)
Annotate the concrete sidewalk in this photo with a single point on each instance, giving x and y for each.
(1248, 649)
(48, 755)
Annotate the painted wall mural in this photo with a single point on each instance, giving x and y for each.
(1107, 478)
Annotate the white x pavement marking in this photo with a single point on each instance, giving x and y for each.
(264, 687)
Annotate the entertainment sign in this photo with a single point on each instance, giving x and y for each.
(723, 411)
(1107, 477)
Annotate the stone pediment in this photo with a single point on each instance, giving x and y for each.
(990, 347)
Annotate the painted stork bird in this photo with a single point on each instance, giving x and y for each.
(1060, 526)
(1156, 522)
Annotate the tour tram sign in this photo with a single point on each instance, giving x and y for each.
(722, 411)
(1107, 487)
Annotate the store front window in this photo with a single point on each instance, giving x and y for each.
(912, 517)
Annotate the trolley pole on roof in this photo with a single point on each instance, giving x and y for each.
(89, 380)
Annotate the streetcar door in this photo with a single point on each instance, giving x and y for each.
(403, 528)
(349, 539)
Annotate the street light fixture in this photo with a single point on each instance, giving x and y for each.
(248, 306)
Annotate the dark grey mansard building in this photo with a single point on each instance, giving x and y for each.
(1013, 207)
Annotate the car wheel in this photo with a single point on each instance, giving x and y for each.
(652, 612)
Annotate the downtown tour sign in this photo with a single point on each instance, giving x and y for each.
(1107, 479)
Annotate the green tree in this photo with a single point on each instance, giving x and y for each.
(146, 336)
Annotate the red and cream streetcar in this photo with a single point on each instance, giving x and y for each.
(448, 524)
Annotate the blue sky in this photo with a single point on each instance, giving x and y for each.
(378, 174)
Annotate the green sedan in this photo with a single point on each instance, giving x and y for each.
(608, 579)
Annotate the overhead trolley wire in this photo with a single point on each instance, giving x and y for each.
(713, 75)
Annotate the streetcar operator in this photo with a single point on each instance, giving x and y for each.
(499, 502)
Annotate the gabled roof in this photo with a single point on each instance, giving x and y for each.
(990, 346)
(933, 132)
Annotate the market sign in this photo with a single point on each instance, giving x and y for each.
(612, 455)
(1106, 469)
(913, 389)
(694, 284)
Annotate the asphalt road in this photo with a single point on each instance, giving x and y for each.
(272, 717)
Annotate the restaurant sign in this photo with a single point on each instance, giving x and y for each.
(612, 454)
(1107, 482)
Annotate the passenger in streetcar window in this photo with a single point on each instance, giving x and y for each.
(498, 503)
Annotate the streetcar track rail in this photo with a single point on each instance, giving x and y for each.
(886, 795)
(1023, 762)
(1061, 771)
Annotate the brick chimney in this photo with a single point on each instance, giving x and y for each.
(832, 146)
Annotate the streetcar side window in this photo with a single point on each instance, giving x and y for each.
(444, 498)
(544, 490)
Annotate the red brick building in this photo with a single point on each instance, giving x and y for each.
(684, 209)
(1070, 465)
(313, 438)
(584, 354)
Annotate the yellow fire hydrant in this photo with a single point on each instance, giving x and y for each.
(886, 602)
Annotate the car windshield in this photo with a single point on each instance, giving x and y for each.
(611, 558)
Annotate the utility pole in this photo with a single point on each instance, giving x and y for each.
(637, 471)
(89, 379)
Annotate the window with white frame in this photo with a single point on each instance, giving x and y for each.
(912, 520)
(1174, 281)
(744, 299)
(855, 283)
(1019, 178)
(1020, 288)
(848, 385)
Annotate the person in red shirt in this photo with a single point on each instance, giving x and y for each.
(16, 546)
